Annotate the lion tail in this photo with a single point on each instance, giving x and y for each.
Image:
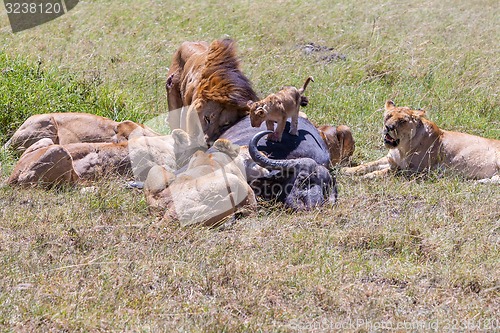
(309, 79)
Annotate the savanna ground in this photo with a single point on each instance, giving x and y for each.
(418, 252)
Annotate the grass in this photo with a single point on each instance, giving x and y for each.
(27, 89)
(421, 251)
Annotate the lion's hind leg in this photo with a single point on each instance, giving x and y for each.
(493, 180)
(294, 124)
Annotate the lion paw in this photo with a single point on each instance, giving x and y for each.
(349, 171)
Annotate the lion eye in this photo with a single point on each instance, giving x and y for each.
(207, 119)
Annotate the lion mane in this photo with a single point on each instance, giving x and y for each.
(208, 79)
(222, 80)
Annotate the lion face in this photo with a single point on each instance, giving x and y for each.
(216, 118)
(257, 113)
(400, 124)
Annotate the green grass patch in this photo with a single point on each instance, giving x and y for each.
(28, 88)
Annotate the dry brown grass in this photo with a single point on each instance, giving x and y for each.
(401, 251)
(396, 251)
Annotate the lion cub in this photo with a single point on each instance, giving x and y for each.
(277, 108)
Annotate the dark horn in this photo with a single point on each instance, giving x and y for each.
(264, 161)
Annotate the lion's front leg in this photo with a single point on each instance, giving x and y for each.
(367, 168)
(377, 174)
(280, 128)
(270, 127)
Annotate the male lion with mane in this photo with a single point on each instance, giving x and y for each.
(417, 144)
(207, 79)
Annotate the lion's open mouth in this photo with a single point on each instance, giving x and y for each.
(389, 140)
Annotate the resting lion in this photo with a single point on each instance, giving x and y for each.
(206, 90)
(417, 144)
(169, 151)
(73, 127)
(211, 188)
(51, 164)
(44, 163)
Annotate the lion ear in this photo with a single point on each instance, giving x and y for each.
(260, 112)
(227, 147)
(389, 105)
(181, 138)
(418, 113)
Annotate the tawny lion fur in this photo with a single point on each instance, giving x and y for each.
(212, 187)
(49, 164)
(73, 127)
(339, 141)
(206, 90)
(277, 108)
(417, 144)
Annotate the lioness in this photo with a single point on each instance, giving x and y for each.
(49, 164)
(277, 108)
(169, 151)
(44, 163)
(212, 187)
(417, 144)
(73, 127)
